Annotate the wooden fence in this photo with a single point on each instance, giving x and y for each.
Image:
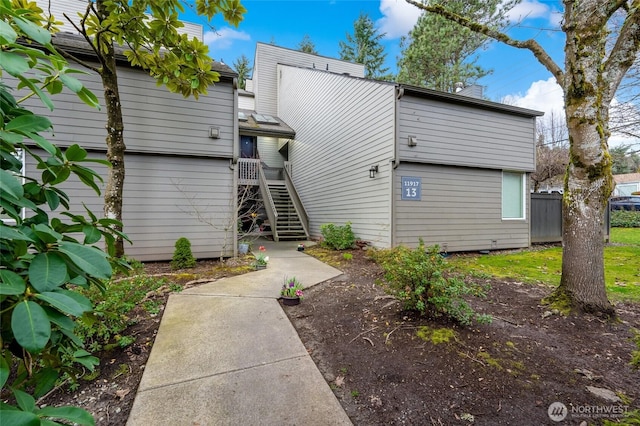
(546, 218)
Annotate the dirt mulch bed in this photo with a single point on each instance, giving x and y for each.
(504, 373)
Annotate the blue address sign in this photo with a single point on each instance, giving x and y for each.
(411, 188)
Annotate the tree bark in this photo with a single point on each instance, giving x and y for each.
(115, 134)
(588, 180)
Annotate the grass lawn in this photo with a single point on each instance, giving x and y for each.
(622, 265)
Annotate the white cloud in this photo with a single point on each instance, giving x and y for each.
(529, 9)
(224, 38)
(542, 95)
(546, 95)
(399, 18)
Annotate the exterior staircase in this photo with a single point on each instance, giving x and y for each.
(288, 225)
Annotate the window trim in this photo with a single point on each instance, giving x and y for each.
(523, 200)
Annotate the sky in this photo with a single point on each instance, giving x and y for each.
(517, 77)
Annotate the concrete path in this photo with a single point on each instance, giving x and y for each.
(226, 354)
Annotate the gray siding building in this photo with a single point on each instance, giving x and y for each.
(174, 170)
(402, 163)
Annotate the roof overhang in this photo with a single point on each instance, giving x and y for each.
(466, 100)
(251, 127)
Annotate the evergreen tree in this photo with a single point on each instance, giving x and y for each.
(307, 46)
(242, 67)
(364, 48)
(438, 53)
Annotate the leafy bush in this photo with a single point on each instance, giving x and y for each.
(102, 328)
(46, 261)
(337, 237)
(625, 218)
(182, 256)
(418, 278)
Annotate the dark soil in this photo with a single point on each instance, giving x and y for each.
(504, 373)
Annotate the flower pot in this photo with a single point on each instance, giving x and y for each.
(243, 248)
(290, 301)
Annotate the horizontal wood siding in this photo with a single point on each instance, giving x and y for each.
(268, 150)
(343, 126)
(161, 197)
(265, 78)
(155, 120)
(462, 135)
(460, 209)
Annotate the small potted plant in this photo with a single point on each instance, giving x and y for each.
(291, 292)
(261, 258)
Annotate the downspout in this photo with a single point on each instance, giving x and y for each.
(232, 165)
(395, 161)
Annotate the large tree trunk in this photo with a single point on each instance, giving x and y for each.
(588, 181)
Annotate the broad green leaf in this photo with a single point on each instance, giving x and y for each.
(80, 299)
(75, 153)
(18, 418)
(7, 34)
(46, 234)
(43, 143)
(28, 123)
(10, 185)
(12, 283)
(13, 138)
(72, 414)
(24, 400)
(62, 302)
(47, 271)
(33, 31)
(53, 199)
(55, 86)
(91, 234)
(43, 96)
(30, 326)
(13, 63)
(62, 321)
(89, 98)
(46, 381)
(71, 82)
(4, 371)
(89, 259)
(85, 358)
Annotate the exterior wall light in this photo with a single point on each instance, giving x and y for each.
(214, 132)
(372, 171)
(413, 140)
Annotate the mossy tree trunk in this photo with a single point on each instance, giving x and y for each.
(588, 179)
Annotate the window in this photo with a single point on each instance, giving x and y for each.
(513, 190)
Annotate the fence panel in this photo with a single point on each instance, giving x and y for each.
(546, 218)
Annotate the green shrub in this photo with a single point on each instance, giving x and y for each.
(182, 256)
(418, 278)
(337, 237)
(625, 218)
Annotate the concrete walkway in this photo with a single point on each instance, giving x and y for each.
(226, 354)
